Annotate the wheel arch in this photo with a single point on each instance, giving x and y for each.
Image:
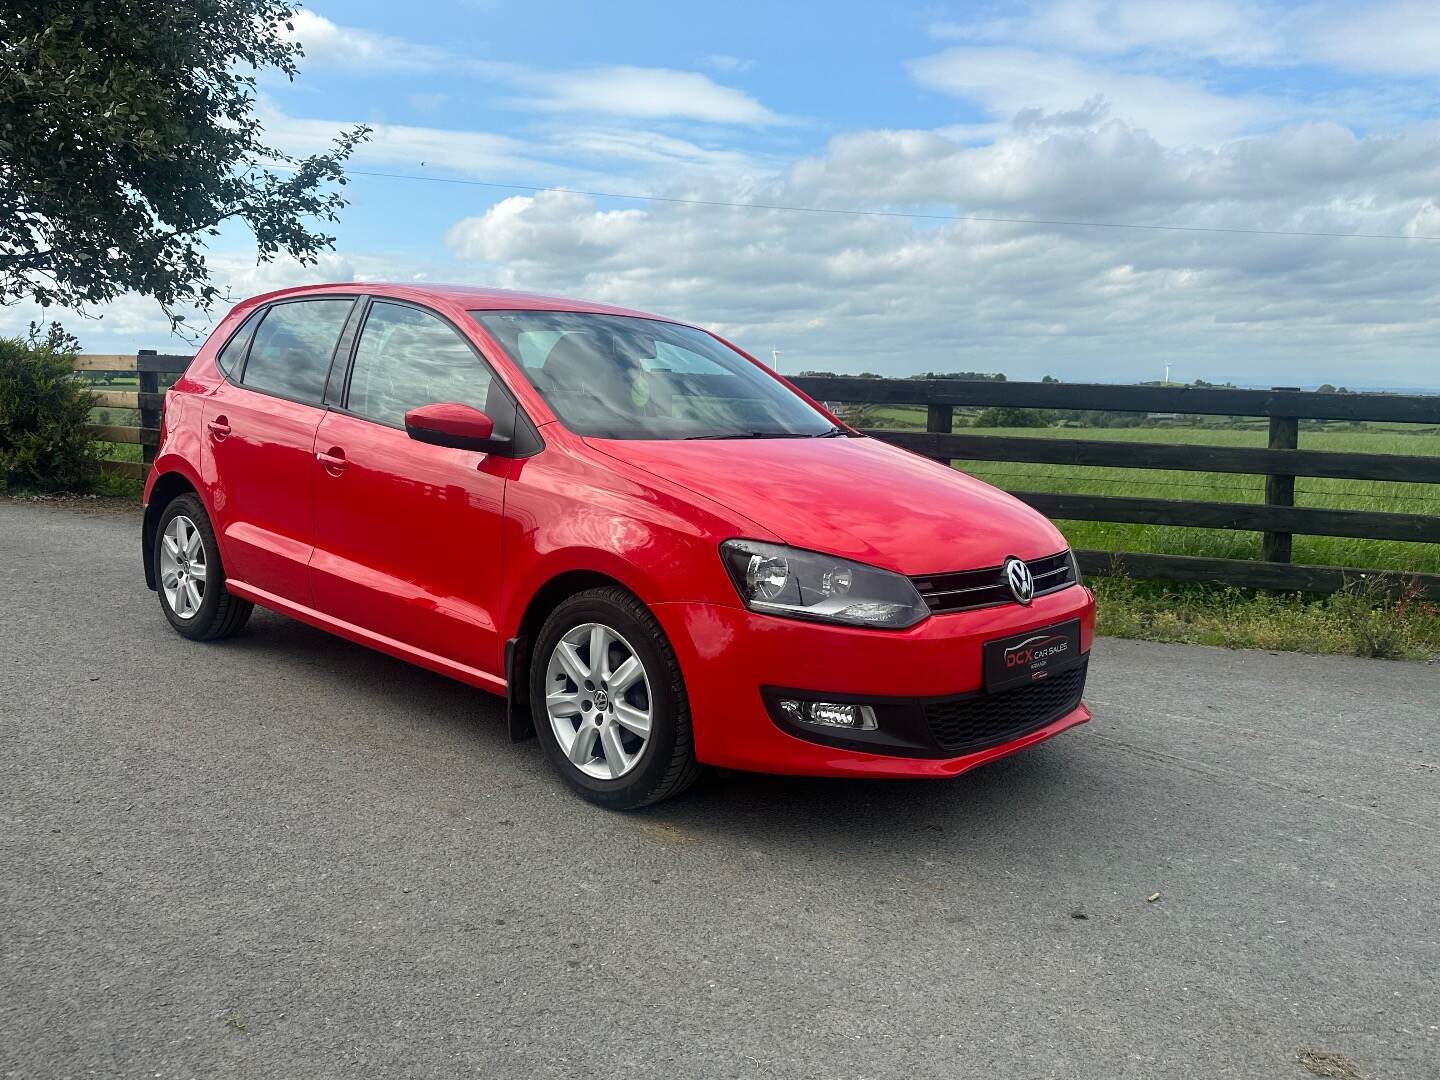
(550, 595)
(163, 491)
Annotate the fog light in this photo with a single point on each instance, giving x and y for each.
(831, 714)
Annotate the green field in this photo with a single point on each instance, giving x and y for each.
(1220, 487)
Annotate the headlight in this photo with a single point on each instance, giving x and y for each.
(1075, 567)
(807, 585)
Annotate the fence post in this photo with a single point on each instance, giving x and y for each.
(941, 419)
(149, 416)
(1280, 490)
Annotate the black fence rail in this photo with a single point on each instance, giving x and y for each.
(1278, 519)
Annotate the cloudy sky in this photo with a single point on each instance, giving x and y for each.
(1248, 119)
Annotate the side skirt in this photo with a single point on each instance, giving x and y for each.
(463, 672)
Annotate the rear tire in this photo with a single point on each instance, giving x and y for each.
(190, 577)
(591, 710)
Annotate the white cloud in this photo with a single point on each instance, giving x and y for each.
(891, 295)
(886, 294)
(1110, 171)
(328, 45)
(469, 152)
(124, 325)
(1400, 37)
(242, 277)
(1213, 27)
(1175, 70)
(651, 149)
(134, 322)
(643, 93)
(1382, 36)
(1006, 80)
(560, 154)
(561, 224)
(1219, 29)
(1088, 110)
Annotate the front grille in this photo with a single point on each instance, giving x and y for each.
(976, 721)
(968, 589)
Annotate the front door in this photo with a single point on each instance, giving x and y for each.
(260, 446)
(407, 535)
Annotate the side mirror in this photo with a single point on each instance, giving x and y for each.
(461, 427)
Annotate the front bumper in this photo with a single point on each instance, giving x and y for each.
(732, 658)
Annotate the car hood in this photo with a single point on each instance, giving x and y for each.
(855, 497)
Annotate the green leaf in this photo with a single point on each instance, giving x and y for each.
(126, 142)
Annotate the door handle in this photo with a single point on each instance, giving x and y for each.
(333, 460)
(219, 428)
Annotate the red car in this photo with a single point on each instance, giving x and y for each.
(661, 553)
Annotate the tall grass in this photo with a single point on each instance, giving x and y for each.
(1357, 622)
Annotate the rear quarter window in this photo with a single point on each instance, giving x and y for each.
(293, 346)
(232, 356)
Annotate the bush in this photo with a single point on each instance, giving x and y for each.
(44, 411)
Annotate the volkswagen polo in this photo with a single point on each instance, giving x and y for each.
(662, 554)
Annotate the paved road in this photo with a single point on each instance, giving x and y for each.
(285, 856)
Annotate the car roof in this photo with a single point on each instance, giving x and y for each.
(470, 297)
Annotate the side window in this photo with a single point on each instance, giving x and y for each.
(407, 358)
(293, 346)
(234, 352)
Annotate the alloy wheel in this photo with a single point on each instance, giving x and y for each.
(597, 696)
(182, 567)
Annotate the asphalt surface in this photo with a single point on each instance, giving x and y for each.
(286, 856)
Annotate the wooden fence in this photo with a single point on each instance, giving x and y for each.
(148, 369)
(1278, 519)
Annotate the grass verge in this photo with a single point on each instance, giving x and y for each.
(117, 487)
(1359, 622)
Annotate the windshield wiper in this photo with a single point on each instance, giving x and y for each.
(751, 435)
(833, 433)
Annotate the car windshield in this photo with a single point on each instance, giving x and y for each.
(618, 377)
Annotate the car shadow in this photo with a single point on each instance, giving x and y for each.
(396, 687)
(1013, 801)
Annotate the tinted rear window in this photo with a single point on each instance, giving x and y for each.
(293, 346)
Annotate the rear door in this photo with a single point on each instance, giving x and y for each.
(407, 535)
(260, 444)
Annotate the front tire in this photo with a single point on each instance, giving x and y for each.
(609, 701)
(190, 576)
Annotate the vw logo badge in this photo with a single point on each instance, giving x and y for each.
(1020, 580)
